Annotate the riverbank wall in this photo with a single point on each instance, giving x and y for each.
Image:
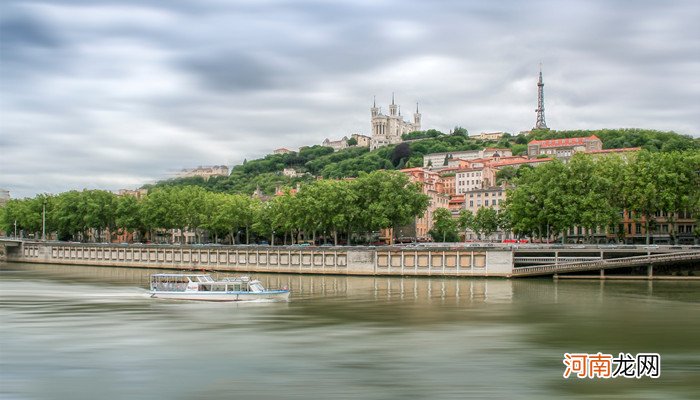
(371, 261)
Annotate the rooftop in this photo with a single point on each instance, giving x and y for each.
(577, 141)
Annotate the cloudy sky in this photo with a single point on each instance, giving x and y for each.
(115, 94)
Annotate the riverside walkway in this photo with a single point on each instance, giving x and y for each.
(435, 259)
(606, 264)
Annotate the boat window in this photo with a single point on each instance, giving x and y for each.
(234, 287)
(256, 287)
(218, 287)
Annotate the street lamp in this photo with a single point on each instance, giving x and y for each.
(43, 221)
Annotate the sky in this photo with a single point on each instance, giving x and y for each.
(115, 94)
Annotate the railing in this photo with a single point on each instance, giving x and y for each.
(604, 264)
(553, 260)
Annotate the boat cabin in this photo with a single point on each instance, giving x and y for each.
(203, 283)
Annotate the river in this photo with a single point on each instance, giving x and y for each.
(77, 332)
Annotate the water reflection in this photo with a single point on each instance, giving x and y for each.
(72, 332)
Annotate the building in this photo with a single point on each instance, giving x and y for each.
(489, 197)
(290, 172)
(439, 161)
(282, 150)
(4, 197)
(492, 168)
(433, 187)
(387, 129)
(456, 204)
(362, 140)
(138, 193)
(664, 227)
(448, 177)
(564, 148)
(469, 179)
(495, 136)
(336, 144)
(204, 172)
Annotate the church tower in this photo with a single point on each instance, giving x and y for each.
(392, 107)
(540, 124)
(416, 118)
(374, 109)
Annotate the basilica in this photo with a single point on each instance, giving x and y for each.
(387, 129)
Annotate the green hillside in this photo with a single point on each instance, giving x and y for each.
(266, 173)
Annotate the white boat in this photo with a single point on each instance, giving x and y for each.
(204, 287)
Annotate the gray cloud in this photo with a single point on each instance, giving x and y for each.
(111, 94)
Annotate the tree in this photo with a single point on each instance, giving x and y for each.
(485, 222)
(386, 199)
(352, 142)
(444, 226)
(128, 215)
(506, 175)
(401, 153)
(459, 131)
(465, 221)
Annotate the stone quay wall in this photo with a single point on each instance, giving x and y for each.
(390, 261)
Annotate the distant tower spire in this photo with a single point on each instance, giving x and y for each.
(392, 97)
(416, 118)
(540, 124)
(374, 110)
(392, 106)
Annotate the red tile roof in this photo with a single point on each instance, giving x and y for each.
(577, 141)
(520, 161)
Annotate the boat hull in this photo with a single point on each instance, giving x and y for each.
(276, 295)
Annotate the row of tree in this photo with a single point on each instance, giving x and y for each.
(593, 192)
(357, 207)
(485, 222)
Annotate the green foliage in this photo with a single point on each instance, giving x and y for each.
(444, 226)
(486, 221)
(506, 175)
(430, 133)
(401, 153)
(590, 192)
(459, 131)
(519, 149)
(647, 139)
(266, 175)
(352, 142)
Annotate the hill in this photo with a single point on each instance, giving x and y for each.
(318, 161)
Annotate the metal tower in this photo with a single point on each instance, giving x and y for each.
(540, 104)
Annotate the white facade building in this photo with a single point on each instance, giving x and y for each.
(469, 179)
(387, 129)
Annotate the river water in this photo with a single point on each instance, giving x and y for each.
(76, 332)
